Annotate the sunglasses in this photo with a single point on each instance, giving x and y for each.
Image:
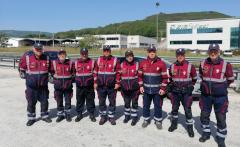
(213, 52)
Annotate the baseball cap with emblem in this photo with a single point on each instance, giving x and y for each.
(38, 46)
(129, 53)
(84, 51)
(152, 49)
(107, 48)
(213, 47)
(62, 51)
(180, 51)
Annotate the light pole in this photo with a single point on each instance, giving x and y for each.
(157, 5)
(53, 40)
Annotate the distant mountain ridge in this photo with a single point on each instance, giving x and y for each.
(145, 27)
(17, 33)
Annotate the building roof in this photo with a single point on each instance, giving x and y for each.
(215, 19)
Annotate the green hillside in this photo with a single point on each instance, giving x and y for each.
(27, 34)
(145, 27)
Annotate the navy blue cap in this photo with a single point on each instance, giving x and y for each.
(107, 47)
(180, 51)
(151, 48)
(62, 51)
(38, 46)
(214, 46)
(84, 51)
(129, 53)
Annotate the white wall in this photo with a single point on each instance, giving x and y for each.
(13, 42)
(126, 41)
(134, 41)
(226, 24)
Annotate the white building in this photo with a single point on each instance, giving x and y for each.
(198, 34)
(13, 42)
(117, 41)
(136, 41)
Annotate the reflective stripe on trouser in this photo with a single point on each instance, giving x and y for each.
(31, 116)
(103, 93)
(157, 101)
(186, 100)
(130, 102)
(220, 105)
(34, 95)
(61, 96)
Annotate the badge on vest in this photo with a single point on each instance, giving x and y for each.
(184, 73)
(124, 71)
(32, 65)
(144, 66)
(205, 69)
(175, 72)
(217, 71)
(158, 68)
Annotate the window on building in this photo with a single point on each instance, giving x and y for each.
(123, 46)
(143, 44)
(181, 42)
(132, 43)
(180, 31)
(209, 41)
(114, 46)
(235, 37)
(123, 39)
(209, 30)
(101, 38)
(112, 38)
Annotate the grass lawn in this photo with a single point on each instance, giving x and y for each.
(96, 52)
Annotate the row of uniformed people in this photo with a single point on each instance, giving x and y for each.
(148, 77)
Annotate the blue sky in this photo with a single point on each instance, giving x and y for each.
(63, 15)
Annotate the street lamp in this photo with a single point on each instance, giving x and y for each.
(157, 5)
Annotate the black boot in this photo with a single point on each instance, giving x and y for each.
(204, 137)
(112, 121)
(126, 119)
(190, 130)
(103, 120)
(92, 118)
(68, 118)
(30, 122)
(60, 118)
(134, 121)
(220, 142)
(79, 117)
(47, 120)
(145, 123)
(158, 125)
(173, 126)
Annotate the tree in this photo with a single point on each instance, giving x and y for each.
(3, 40)
(90, 41)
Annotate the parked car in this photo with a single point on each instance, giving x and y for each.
(228, 53)
(53, 55)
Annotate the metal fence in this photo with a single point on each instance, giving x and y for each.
(12, 62)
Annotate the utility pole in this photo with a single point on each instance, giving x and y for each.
(157, 5)
(39, 37)
(53, 40)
